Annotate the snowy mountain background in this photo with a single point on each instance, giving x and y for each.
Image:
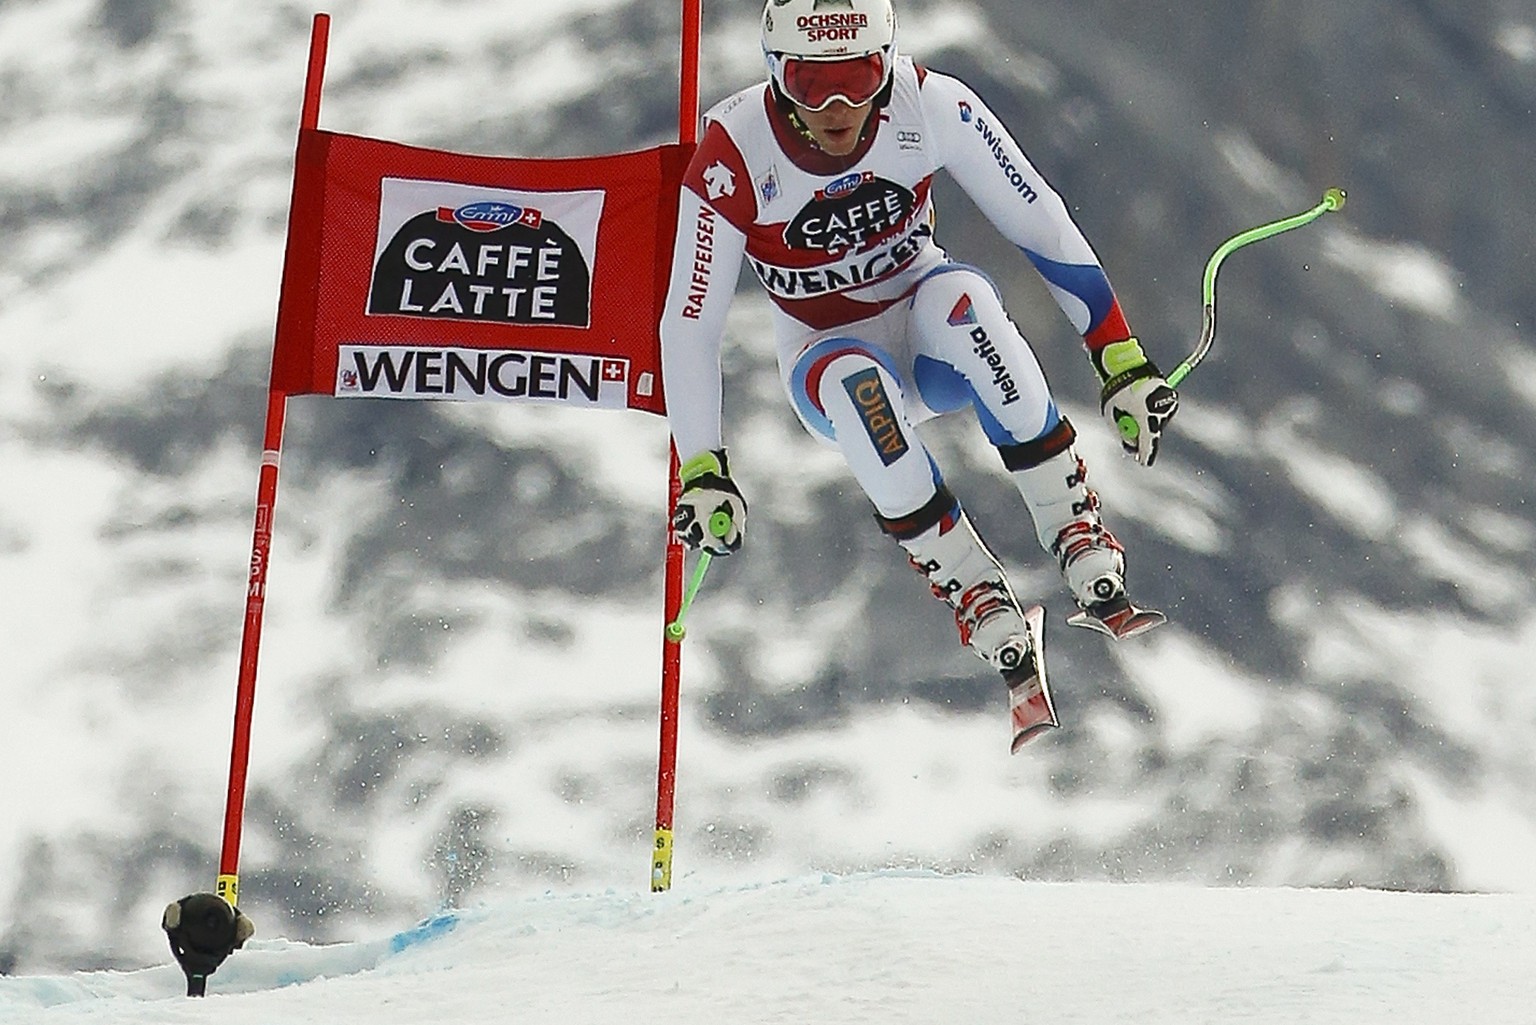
(458, 689)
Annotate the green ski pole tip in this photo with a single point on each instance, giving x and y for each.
(720, 524)
(1335, 198)
(676, 631)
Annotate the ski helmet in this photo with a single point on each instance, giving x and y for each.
(819, 51)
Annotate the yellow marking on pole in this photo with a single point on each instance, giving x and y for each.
(228, 887)
(661, 862)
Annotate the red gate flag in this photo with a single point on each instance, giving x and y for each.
(421, 274)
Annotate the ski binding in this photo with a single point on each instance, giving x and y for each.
(1117, 618)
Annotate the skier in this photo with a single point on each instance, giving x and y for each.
(820, 179)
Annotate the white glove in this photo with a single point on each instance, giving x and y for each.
(1135, 398)
(710, 514)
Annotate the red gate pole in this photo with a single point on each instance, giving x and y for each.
(671, 648)
(228, 885)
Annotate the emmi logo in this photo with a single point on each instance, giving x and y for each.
(403, 372)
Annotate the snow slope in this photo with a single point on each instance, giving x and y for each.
(889, 947)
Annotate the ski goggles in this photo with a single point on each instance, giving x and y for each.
(817, 84)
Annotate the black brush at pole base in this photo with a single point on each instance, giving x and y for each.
(203, 930)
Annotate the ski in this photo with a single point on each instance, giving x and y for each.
(1029, 696)
(1117, 618)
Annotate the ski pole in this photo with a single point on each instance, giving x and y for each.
(719, 526)
(1333, 199)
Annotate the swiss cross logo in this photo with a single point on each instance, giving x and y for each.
(614, 370)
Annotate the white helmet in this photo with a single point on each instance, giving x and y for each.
(819, 51)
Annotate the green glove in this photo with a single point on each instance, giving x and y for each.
(1134, 398)
(711, 515)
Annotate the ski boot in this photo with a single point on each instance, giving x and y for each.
(1093, 563)
(966, 576)
(1054, 482)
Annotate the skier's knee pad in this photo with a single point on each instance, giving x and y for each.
(850, 392)
(822, 374)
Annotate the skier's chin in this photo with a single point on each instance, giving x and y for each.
(837, 129)
(839, 142)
